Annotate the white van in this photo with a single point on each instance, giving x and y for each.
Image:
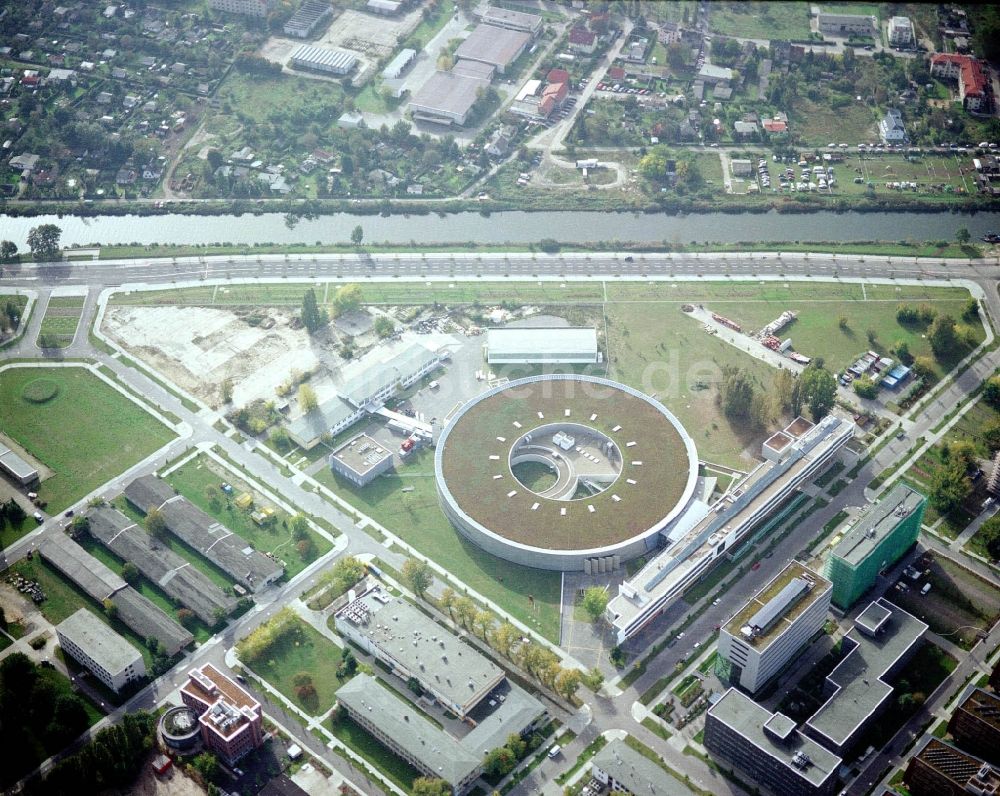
(926, 588)
(554, 751)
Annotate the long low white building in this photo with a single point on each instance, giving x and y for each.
(549, 345)
(693, 550)
(320, 59)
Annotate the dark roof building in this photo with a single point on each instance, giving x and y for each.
(975, 725)
(133, 610)
(768, 748)
(231, 553)
(160, 565)
(940, 769)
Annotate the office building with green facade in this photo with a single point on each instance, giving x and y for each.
(876, 540)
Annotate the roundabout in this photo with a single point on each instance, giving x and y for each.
(552, 471)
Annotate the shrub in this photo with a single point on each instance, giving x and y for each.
(39, 391)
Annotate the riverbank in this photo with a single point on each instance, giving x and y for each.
(927, 249)
(558, 201)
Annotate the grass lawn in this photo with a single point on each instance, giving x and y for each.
(417, 518)
(816, 331)
(62, 434)
(63, 598)
(819, 123)
(385, 762)
(191, 481)
(760, 20)
(656, 348)
(310, 652)
(959, 605)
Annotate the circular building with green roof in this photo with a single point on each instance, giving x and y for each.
(552, 471)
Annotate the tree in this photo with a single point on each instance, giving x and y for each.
(207, 766)
(485, 622)
(990, 531)
(949, 486)
(80, 525)
(549, 245)
(69, 719)
(866, 388)
(110, 609)
(313, 318)
(991, 391)
(414, 685)
(156, 524)
(817, 389)
(300, 527)
(307, 398)
(226, 391)
(357, 235)
(594, 601)
(943, 337)
(43, 241)
(902, 352)
(418, 575)
(384, 327)
(499, 762)
(962, 235)
(923, 368)
(347, 299)
(736, 393)
(447, 601)
(130, 573)
(8, 251)
(568, 682)
(425, 786)
(842, 323)
(466, 610)
(505, 637)
(186, 617)
(593, 679)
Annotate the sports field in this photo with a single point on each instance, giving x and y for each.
(85, 432)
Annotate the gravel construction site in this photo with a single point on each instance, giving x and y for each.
(200, 347)
(258, 350)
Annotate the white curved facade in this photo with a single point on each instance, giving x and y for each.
(565, 560)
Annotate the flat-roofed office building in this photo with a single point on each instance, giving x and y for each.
(451, 672)
(768, 748)
(767, 632)
(883, 639)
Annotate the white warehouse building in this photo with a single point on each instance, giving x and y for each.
(320, 59)
(105, 654)
(774, 625)
(538, 346)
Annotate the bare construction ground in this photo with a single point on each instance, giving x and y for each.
(200, 347)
